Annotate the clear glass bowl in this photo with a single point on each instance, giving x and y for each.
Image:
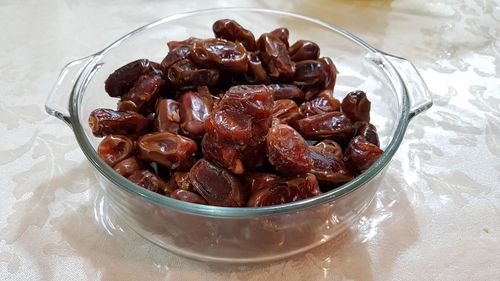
(234, 235)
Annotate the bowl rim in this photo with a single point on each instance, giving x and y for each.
(236, 212)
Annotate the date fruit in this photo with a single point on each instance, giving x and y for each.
(217, 185)
(115, 148)
(285, 191)
(172, 151)
(288, 151)
(356, 106)
(103, 121)
(361, 154)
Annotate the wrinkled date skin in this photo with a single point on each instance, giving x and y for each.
(332, 125)
(217, 185)
(220, 53)
(257, 181)
(274, 53)
(185, 74)
(304, 50)
(368, 131)
(329, 169)
(115, 148)
(167, 116)
(128, 166)
(194, 110)
(240, 122)
(149, 181)
(286, 91)
(187, 196)
(145, 90)
(169, 150)
(282, 34)
(314, 75)
(103, 121)
(256, 72)
(325, 102)
(232, 31)
(287, 150)
(361, 154)
(180, 180)
(285, 191)
(356, 106)
(122, 79)
(175, 55)
(330, 147)
(286, 111)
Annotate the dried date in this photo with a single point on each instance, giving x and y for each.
(115, 148)
(361, 154)
(185, 74)
(356, 106)
(304, 50)
(103, 121)
(231, 30)
(217, 185)
(287, 150)
(187, 196)
(149, 181)
(194, 110)
(122, 79)
(220, 53)
(130, 165)
(286, 111)
(285, 191)
(274, 53)
(333, 125)
(172, 151)
(167, 117)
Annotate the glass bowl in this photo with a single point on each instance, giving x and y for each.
(241, 235)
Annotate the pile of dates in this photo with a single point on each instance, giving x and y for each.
(233, 121)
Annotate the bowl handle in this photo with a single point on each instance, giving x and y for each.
(57, 103)
(418, 93)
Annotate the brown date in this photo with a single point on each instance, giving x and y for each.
(122, 79)
(333, 125)
(128, 166)
(194, 110)
(187, 196)
(115, 148)
(330, 146)
(287, 150)
(331, 72)
(274, 53)
(172, 151)
(231, 30)
(325, 102)
(285, 191)
(185, 74)
(180, 180)
(176, 44)
(256, 72)
(257, 181)
(220, 53)
(217, 185)
(282, 34)
(310, 74)
(304, 50)
(286, 91)
(144, 92)
(103, 121)
(286, 111)
(356, 106)
(175, 55)
(368, 131)
(329, 169)
(149, 181)
(361, 154)
(167, 117)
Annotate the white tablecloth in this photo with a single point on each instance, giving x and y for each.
(437, 216)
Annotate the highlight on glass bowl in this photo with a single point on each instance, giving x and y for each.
(239, 135)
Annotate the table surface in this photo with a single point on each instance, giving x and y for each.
(436, 216)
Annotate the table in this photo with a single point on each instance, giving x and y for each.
(437, 216)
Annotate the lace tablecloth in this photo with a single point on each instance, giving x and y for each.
(436, 217)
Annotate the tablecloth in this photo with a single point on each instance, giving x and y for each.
(436, 216)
